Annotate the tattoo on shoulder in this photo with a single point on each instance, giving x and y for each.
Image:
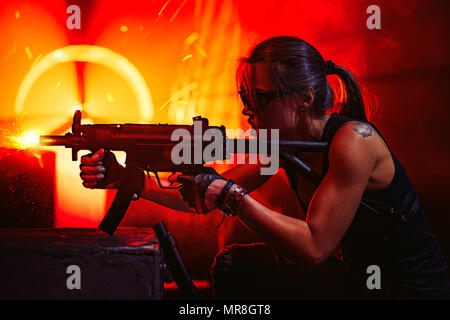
(363, 129)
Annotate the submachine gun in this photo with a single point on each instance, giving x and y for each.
(148, 147)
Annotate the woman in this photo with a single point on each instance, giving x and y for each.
(283, 85)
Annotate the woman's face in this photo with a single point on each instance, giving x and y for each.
(279, 113)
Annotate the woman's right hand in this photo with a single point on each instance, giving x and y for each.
(100, 170)
(92, 169)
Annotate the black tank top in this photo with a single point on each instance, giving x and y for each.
(393, 235)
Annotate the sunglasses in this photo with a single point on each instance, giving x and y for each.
(262, 98)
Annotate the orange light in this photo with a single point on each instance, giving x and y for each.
(27, 139)
(93, 54)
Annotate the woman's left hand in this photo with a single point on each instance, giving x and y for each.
(201, 191)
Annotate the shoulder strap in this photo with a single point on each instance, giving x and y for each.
(333, 124)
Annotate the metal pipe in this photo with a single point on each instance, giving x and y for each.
(175, 262)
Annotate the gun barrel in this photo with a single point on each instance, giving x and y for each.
(52, 140)
(254, 145)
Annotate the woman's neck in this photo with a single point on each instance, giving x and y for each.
(311, 127)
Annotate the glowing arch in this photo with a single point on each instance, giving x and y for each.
(93, 54)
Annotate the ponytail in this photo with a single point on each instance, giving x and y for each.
(352, 104)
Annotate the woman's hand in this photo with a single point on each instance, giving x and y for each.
(100, 170)
(201, 191)
(212, 192)
(92, 169)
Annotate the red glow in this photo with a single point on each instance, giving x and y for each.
(187, 52)
(199, 284)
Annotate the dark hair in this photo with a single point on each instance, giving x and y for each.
(295, 64)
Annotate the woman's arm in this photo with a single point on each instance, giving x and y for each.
(169, 198)
(332, 208)
(245, 175)
(248, 176)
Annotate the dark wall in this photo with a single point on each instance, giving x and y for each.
(408, 72)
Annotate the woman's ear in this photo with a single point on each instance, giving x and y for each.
(307, 97)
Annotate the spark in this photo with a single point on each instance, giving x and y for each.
(39, 157)
(178, 10)
(181, 93)
(189, 56)
(166, 103)
(162, 9)
(10, 53)
(156, 20)
(36, 61)
(150, 28)
(201, 51)
(17, 15)
(28, 52)
(124, 28)
(27, 139)
(192, 38)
